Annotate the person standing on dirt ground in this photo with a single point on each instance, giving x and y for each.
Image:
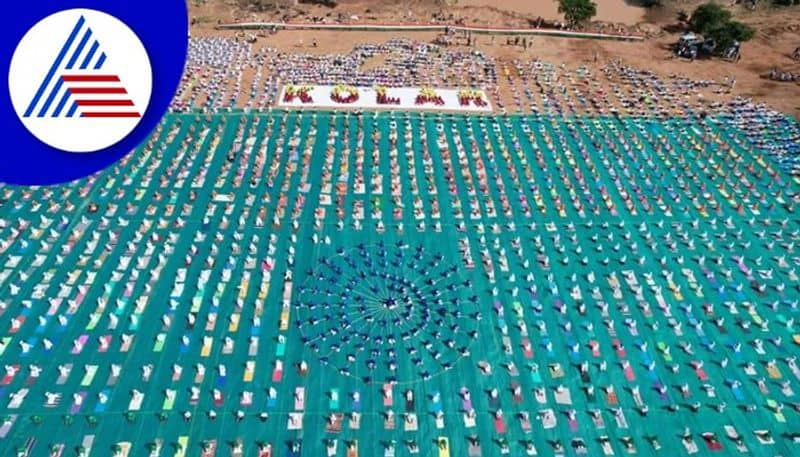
(314, 43)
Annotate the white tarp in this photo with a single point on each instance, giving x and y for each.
(321, 96)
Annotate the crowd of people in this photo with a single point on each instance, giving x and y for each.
(219, 67)
(216, 67)
(776, 74)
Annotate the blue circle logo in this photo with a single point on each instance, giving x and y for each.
(86, 84)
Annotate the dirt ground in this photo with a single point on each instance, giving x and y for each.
(607, 10)
(778, 35)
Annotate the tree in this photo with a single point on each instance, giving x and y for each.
(577, 11)
(740, 31)
(714, 21)
(708, 16)
(728, 33)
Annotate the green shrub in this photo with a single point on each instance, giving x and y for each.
(707, 17)
(577, 11)
(726, 34)
(713, 21)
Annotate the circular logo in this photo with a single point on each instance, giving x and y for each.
(80, 80)
(88, 81)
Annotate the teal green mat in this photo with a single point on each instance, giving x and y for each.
(252, 284)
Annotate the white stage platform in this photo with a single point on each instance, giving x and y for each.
(321, 96)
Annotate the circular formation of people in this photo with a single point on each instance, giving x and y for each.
(380, 312)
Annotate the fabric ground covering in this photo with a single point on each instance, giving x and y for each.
(540, 285)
